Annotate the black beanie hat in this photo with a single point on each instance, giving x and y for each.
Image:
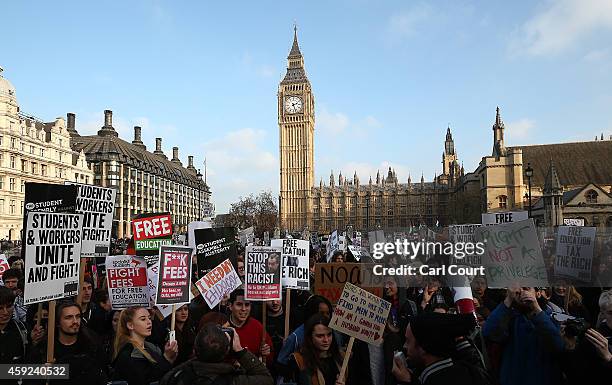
(436, 332)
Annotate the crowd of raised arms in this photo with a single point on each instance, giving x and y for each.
(516, 336)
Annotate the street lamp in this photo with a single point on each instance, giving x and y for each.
(199, 175)
(529, 174)
(368, 212)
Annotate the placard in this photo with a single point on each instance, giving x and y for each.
(127, 281)
(174, 277)
(360, 314)
(332, 245)
(331, 277)
(214, 246)
(97, 204)
(52, 256)
(504, 217)
(574, 257)
(247, 236)
(152, 279)
(296, 269)
(219, 282)
(512, 255)
(573, 221)
(464, 234)
(4, 266)
(263, 273)
(151, 231)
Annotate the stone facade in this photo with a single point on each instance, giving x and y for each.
(31, 151)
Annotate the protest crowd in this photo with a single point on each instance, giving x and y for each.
(213, 307)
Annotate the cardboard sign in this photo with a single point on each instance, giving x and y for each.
(464, 234)
(46, 197)
(219, 282)
(152, 280)
(97, 204)
(331, 277)
(296, 269)
(52, 256)
(247, 236)
(151, 231)
(573, 221)
(214, 246)
(512, 255)
(360, 314)
(127, 281)
(356, 251)
(574, 257)
(332, 245)
(174, 279)
(4, 266)
(263, 273)
(504, 217)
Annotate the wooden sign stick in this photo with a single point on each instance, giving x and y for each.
(287, 311)
(347, 356)
(83, 266)
(51, 332)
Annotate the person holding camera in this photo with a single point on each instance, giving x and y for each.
(216, 348)
(531, 342)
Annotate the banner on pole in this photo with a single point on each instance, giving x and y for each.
(4, 266)
(174, 279)
(152, 279)
(296, 269)
(151, 231)
(52, 256)
(574, 257)
(214, 246)
(360, 314)
(332, 245)
(97, 204)
(219, 282)
(127, 281)
(263, 273)
(512, 255)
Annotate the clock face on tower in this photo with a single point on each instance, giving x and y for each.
(293, 104)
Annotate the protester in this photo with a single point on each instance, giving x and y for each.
(250, 330)
(213, 347)
(185, 334)
(433, 293)
(275, 323)
(13, 333)
(319, 360)
(74, 345)
(531, 340)
(13, 279)
(102, 300)
(137, 361)
(430, 344)
(315, 304)
(337, 256)
(108, 340)
(92, 315)
(568, 299)
(214, 317)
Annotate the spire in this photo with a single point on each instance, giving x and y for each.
(370, 180)
(378, 177)
(321, 183)
(340, 179)
(295, 63)
(355, 178)
(331, 179)
(409, 179)
(551, 183)
(499, 149)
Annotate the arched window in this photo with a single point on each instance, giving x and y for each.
(591, 196)
(503, 201)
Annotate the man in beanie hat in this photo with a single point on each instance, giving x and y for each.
(215, 351)
(430, 343)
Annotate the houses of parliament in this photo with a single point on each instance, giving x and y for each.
(567, 178)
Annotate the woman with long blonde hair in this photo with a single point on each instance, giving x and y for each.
(136, 360)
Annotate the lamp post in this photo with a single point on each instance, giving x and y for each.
(199, 175)
(529, 174)
(368, 212)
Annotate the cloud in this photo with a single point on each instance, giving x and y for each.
(598, 55)
(250, 66)
(238, 164)
(405, 24)
(559, 25)
(333, 123)
(519, 130)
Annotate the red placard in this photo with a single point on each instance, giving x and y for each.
(159, 226)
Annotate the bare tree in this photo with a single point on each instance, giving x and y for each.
(258, 211)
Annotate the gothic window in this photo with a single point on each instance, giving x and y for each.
(591, 196)
(503, 201)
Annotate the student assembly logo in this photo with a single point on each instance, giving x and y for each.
(49, 206)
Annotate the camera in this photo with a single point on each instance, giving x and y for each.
(230, 332)
(576, 327)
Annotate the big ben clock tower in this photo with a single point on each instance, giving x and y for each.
(296, 130)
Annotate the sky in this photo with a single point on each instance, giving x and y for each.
(388, 78)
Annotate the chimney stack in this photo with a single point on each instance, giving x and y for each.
(190, 163)
(71, 124)
(107, 129)
(175, 156)
(158, 148)
(138, 138)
